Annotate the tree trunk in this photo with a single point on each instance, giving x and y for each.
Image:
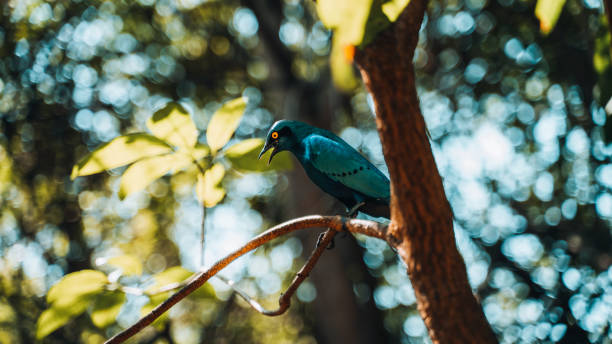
(421, 218)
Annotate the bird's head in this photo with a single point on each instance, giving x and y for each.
(281, 136)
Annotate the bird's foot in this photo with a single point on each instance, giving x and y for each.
(331, 245)
(353, 211)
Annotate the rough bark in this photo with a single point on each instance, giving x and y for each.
(421, 218)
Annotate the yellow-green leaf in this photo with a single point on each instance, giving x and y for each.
(129, 265)
(173, 124)
(341, 68)
(69, 298)
(56, 317)
(175, 274)
(142, 173)
(548, 12)
(348, 18)
(76, 284)
(244, 157)
(393, 8)
(118, 152)
(208, 190)
(224, 122)
(106, 308)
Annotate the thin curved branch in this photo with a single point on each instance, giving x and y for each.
(285, 299)
(335, 223)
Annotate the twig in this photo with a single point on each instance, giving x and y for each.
(285, 299)
(336, 223)
(202, 236)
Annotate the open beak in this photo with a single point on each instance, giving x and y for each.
(266, 148)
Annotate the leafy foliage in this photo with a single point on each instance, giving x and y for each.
(354, 23)
(106, 308)
(68, 298)
(174, 125)
(224, 122)
(120, 151)
(173, 148)
(208, 190)
(548, 12)
(128, 264)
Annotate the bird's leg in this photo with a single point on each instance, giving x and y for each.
(352, 213)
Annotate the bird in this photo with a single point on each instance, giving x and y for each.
(333, 165)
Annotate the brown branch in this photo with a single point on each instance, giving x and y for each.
(285, 299)
(335, 223)
(421, 225)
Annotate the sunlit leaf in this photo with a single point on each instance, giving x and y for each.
(76, 284)
(69, 298)
(548, 12)
(341, 68)
(244, 156)
(224, 122)
(118, 152)
(393, 8)
(173, 124)
(56, 317)
(347, 17)
(142, 173)
(208, 190)
(165, 279)
(129, 265)
(175, 274)
(106, 308)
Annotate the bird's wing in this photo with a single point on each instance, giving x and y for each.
(342, 163)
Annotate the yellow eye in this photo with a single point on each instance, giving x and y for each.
(274, 135)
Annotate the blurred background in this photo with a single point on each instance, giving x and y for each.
(517, 123)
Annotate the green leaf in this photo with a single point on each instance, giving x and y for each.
(118, 152)
(76, 284)
(106, 308)
(142, 173)
(56, 317)
(341, 68)
(208, 190)
(175, 274)
(173, 124)
(244, 157)
(548, 12)
(129, 264)
(224, 122)
(69, 298)
(393, 8)
(347, 17)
